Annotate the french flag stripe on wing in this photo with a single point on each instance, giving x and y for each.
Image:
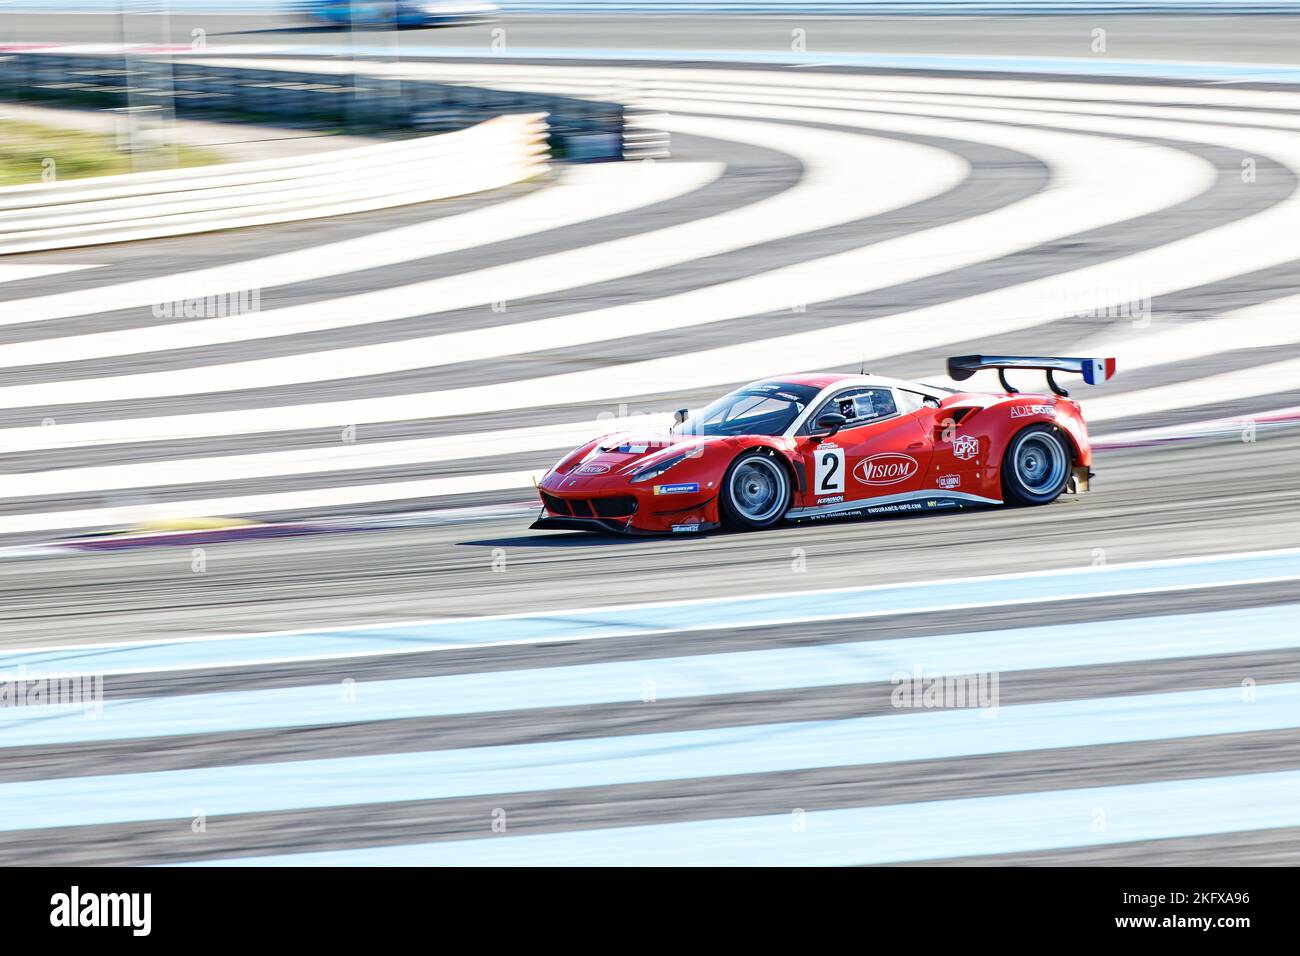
(1098, 370)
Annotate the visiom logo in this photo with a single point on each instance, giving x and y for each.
(887, 469)
(218, 306)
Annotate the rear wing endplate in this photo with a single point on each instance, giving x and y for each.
(1093, 370)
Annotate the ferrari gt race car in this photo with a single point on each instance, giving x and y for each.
(811, 447)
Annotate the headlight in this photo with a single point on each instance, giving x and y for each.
(658, 468)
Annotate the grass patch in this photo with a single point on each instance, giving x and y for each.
(28, 150)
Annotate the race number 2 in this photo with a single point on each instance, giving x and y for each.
(830, 471)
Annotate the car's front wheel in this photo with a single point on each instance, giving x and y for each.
(1035, 467)
(755, 491)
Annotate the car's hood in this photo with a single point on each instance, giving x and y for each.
(626, 452)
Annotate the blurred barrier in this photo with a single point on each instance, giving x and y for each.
(106, 209)
(578, 128)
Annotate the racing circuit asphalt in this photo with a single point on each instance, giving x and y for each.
(1256, 39)
(1204, 497)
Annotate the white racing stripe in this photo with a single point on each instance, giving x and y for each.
(1225, 387)
(1267, 325)
(1088, 197)
(14, 272)
(1206, 391)
(293, 369)
(1255, 326)
(583, 193)
(349, 456)
(346, 496)
(832, 191)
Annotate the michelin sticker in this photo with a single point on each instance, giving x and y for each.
(684, 488)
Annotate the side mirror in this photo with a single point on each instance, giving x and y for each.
(832, 422)
(680, 416)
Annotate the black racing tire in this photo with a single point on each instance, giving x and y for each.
(755, 492)
(1035, 466)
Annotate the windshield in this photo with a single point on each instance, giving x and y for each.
(764, 408)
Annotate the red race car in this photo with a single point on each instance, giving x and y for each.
(811, 447)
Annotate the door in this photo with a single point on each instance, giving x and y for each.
(883, 452)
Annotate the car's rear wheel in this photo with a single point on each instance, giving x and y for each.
(1035, 467)
(755, 491)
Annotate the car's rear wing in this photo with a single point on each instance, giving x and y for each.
(1093, 370)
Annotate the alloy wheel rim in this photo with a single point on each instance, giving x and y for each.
(1040, 462)
(758, 488)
